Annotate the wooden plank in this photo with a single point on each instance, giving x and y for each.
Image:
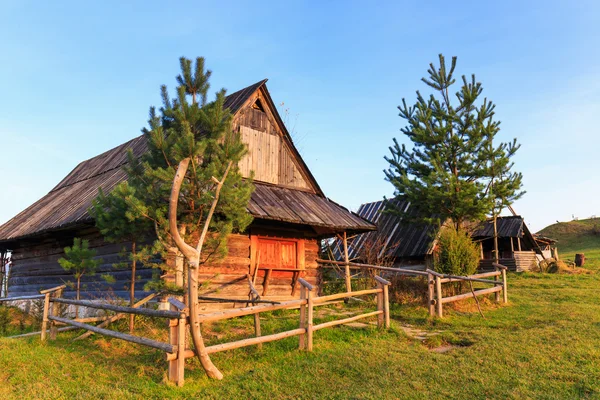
(121, 309)
(256, 340)
(480, 292)
(346, 320)
(166, 347)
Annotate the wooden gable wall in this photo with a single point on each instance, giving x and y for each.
(269, 154)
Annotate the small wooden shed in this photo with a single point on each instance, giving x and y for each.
(291, 215)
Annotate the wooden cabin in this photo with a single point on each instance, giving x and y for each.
(518, 249)
(291, 216)
(397, 242)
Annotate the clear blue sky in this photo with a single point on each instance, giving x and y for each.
(77, 79)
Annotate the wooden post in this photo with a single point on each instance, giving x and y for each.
(380, 305)
(519, 243)
(347, 261)
(431, 294)
(181, 329)
(257, 328)
(45, 316)
(174, 340)
(386, 306)
(55, 312)
(309, 324)
(496, 294)
(438, 289)
(504, 286)
(302, 338)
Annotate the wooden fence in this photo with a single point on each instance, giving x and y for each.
(178, 316)
(435, 281)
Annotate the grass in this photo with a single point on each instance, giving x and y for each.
(582, 236)
(544, 344)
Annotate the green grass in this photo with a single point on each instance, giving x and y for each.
(544, 344)
(582, 236)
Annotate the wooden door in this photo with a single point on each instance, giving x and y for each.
(278, 254)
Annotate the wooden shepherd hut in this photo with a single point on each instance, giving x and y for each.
(291, 215)
(398, 240)
(518, 249)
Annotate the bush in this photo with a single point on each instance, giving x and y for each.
(456, 254)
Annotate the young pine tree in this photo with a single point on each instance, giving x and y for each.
(446, 174)
(79, 260)
(188, 184)
(118, 223)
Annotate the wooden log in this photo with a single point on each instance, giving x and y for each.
(375, 267)
(181, 329)
(266, 282)
(323, 299)
(117, 316)
(496, 294)
(499, 266)
(45, 316)
(309, 320)
(431, 294)
(377, 313)
(302, 338)
(438, 290)
(479, 292)
(504, 286)
(386, 306)
(256, 340)
(231, 300)
(173, 341)
(347, 265)
(121, 309)
(55, 312)
(380, 306)
(65, 329)
(166, 347)
(19, 298)
(382, 281)
(239, 312)
(54, 289)
(304, 283)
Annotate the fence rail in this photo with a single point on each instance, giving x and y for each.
(176, 351)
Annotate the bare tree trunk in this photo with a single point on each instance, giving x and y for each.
(496, 255)
(132, 287)
(193, 256)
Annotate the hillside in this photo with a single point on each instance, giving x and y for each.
(581, 236)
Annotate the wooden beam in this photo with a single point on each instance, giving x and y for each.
(470, 294)
(121, 309)
(346, 320)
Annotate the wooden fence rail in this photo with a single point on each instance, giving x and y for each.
(176, 351)
(435, 281)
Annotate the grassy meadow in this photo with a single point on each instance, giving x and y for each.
(582, 236)
(544, 344)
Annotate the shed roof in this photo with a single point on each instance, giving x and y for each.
(510, 226)
(68, 202)
(405, 239)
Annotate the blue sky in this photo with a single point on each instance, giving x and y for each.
(77, 79)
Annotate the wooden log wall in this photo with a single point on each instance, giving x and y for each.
(522, 261)
(268, 154)
(228, 277)
(36, 267)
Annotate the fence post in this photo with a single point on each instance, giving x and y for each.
(174, 340)
(383, 302)
(504, 286)
(380, 317)
(181, 328)
(438, 289)
(45, 316)
(309, 325)
(431, 293)
(55, 312)
(496, 294)
(302, 337)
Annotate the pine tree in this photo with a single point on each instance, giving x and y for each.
(118, 223)
(188, 184)
(79, 259)
(448, 173)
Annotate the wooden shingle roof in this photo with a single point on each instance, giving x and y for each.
(68, 202)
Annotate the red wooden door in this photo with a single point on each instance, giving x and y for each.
(277, 254)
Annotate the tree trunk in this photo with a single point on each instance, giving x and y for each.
(132, 287)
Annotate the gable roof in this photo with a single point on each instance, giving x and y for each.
(68, 202)
(510, 226)
(404, 239)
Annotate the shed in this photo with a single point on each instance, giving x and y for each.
(291, 213)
